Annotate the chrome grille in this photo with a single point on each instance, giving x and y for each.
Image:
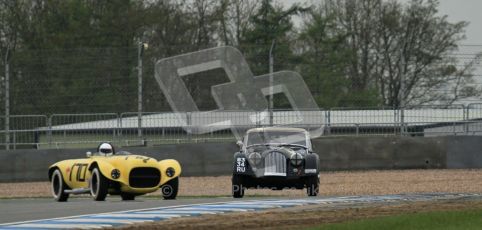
(275, 164)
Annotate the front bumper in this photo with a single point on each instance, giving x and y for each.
(274, 182)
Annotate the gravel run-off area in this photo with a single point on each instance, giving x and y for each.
(331, 184)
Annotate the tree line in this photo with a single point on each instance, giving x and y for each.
(78, 56)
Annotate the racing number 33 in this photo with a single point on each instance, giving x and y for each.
(81, 170)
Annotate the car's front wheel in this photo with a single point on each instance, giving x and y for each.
(312, 186)
(169, 189)
(99, 185)
(237, 186)
(59, 187)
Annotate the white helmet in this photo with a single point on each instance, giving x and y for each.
(106, 149)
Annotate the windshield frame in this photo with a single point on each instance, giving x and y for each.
(304, 133)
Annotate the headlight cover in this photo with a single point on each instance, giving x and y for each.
(296, 159)
(170, 172)
(301, 151)
(115, 174)
(255, 158)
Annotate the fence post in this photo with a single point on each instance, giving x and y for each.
(189, 125)
(7, 101)
(328, 121)
(14, 142)
(119, 125)
(49, 131)
(402, 121)
(395, 120)
(114, 131)
(466, 118)
(454, 128)
(259, 121)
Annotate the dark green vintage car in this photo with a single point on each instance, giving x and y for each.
(275, 158)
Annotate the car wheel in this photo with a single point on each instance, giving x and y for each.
(237, 186)
(128, 196)
(169, 189)
(99, 185)
(59, 187)
(312, 186)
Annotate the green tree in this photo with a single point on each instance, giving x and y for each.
(400, 52)
(270, 23)
(324, 59)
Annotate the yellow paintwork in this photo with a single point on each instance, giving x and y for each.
(124, 163)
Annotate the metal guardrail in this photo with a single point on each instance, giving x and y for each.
(87, 130)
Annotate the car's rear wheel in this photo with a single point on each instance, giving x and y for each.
(59, 187)
(169, 189)
(312, 186)
(128, 196)
(237, 186)
(99, 185)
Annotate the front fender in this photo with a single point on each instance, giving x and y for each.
(52, 169)
(312, 164)
(169, 163)
(106, 168)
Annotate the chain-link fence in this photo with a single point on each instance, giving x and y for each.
(24, 131)
(156, 128)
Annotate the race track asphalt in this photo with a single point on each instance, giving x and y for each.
(85, 213)
(16, 210)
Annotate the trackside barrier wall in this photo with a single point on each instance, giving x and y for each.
(214, 159)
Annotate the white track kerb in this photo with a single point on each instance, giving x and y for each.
(114, 219)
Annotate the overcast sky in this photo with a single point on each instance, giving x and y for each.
(456, 10)
(465, 10)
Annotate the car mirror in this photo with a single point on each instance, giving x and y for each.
(88, 154)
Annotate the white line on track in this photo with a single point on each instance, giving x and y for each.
(61, 226)
(89, 215)
(100, 220)
(137, 215)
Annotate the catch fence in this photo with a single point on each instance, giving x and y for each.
(156, 128)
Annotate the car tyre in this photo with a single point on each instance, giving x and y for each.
(128, 196)
(169, 189)
(59, 187)
(312, 186)
(237, 186)
(99, 185)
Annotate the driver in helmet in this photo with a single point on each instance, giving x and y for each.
(106, 149)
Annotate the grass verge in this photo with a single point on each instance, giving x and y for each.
(466, 219)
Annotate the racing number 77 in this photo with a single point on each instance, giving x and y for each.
(81, 172)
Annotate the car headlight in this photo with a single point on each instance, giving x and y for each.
(296, 159)
(301, 151)
(115, 174)
(255, 158)
(170, 172)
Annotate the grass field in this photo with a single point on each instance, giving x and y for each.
(467, 219)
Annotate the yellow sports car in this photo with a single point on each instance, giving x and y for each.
(108, 172)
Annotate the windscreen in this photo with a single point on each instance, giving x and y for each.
(278, 137)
